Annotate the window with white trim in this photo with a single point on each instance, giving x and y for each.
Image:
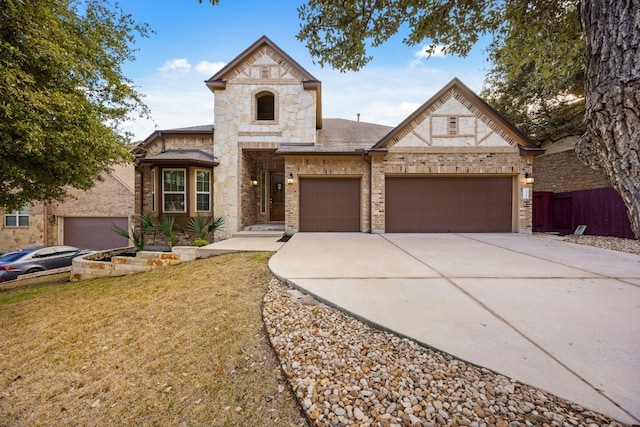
(17, 218)
(203, 190)
(174, 192)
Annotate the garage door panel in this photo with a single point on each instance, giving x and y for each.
(93, 233)
(329, 204)
(444, 205)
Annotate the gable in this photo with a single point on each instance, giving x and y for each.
(455, 117)
(260, 62)
(264, 65)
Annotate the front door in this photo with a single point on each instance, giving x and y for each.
(276, 210)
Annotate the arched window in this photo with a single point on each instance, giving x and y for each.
(265, 104)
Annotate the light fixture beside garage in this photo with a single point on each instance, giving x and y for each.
(290, 179)
(254, 181)
(528, 178)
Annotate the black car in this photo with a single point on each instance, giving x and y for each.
(31, 260)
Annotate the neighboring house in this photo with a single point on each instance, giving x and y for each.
(82, 220)
(454, 165)
(568, 193)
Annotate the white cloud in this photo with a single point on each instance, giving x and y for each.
(209, 68)
(421, 54)
(180, 65)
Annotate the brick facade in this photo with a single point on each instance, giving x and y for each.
(454, 133)
(563, 171)
(505, 162)
(317, 167)
(148, 179)
(112, 197)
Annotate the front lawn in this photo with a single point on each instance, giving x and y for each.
(181, 345)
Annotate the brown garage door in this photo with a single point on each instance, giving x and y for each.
(93, 233)
(448, 205)
(329, 204)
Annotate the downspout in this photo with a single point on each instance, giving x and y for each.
(366, 158)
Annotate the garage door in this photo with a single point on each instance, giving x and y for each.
(93, 233)
(448, 205)
(329, 204)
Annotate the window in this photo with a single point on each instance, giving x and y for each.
(264, 72)
(453, 126)
(174, 190)
(265, 104)
(17, 218)
(153, 190)
(203, 191)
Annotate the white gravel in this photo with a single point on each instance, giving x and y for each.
(613, 243)
(345, 372)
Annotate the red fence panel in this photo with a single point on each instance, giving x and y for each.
(601, 210)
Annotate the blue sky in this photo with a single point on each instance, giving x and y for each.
(192, 41)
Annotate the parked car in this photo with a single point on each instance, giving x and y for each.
(41, 258)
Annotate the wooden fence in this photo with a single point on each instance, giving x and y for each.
(601, 210)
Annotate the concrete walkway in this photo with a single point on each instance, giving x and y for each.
(551, 314)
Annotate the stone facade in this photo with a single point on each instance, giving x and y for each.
(559, 170)
(236, 125)
(268, 119)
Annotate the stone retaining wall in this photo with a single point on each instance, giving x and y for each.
(90, 267)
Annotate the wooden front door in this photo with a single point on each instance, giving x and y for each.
(276, 209)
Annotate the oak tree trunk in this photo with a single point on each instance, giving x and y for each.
(611, 30)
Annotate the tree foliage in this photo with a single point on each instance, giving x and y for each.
(62, 95)
(555, 71)
(536, 77)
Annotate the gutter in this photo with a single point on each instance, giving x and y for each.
(366, 158)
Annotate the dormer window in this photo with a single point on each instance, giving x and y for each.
(265, 106)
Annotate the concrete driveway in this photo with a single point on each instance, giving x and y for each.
(551, 314)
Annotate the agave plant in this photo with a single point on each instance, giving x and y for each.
(202, 226)
(147, 227)
(166, 225)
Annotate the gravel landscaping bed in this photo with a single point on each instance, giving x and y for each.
(613, 243)
(345, 372)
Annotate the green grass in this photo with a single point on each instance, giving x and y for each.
(180, 345)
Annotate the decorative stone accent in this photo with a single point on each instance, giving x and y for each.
(236, 130)
(89, 266)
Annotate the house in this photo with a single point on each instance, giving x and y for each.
(454, 165)
(82, 220)
(567, 193)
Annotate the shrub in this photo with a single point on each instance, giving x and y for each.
(200, 243)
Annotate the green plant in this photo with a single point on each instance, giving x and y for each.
(166, 225)
(199, 243)
(202, 226)
(147, 226)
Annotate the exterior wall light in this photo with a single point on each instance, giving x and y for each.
(254, 181)
(528, 178)
(290, 179)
